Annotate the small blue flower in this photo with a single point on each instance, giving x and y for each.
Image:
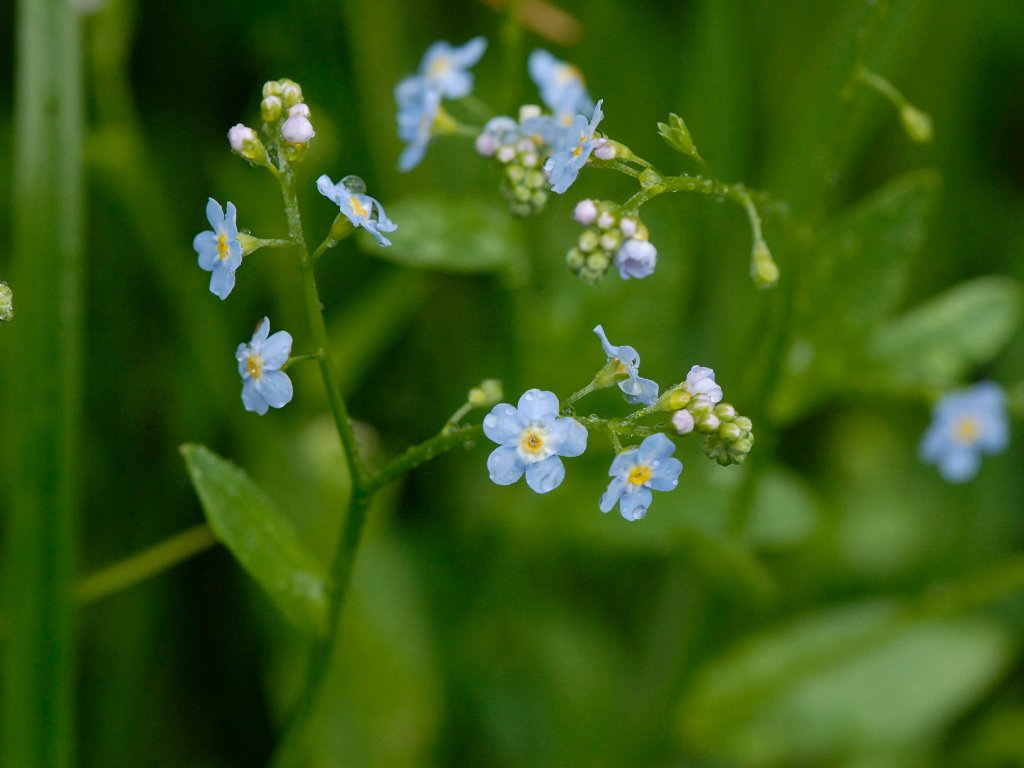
(530, 439)
(418, 107)
(636, 258)
(264, 385)
(362, 210)
(219, 250)
(635, 472)
(445, 68)
(636, 388)
(577, 144)
(561, 86)
(966, 424)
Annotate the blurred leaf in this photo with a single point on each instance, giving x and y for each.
(855, 277)
(465, 235)
(857, 679)
(783, 511)
(937, 343)
(260, 537)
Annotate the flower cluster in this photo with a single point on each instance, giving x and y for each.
(444, 73)
(965, 425)
(286, 131)
(533, 437)
(610, 238)
(519, 147)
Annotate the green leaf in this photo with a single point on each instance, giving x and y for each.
(853, 680)
(260, 537)
(855, 277)
(454, 235)
(936, 344)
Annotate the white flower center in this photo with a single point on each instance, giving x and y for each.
(533, 443)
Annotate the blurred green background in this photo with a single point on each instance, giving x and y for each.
(831, 602)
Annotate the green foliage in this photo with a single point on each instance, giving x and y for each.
(260, 537)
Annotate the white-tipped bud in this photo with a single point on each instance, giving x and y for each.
(486, 145)
(585, 212)
(916, 123)
(239, 136)
(606, 220)
(297, 130)
(628, 227)
(270, 108)
(291, 92)
(682, 421)
(528, 112)
(506, 154)
(604, 150)
(299, 109)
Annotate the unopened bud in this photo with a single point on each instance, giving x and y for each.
(297, 130)
(683, 422)
(729, 432)
(6, 302)
(246, 143)
(763, 268)
(916, 123)
(270, 109)
(489, 392)
(677, 135)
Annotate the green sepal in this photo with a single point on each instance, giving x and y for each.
(260, 537)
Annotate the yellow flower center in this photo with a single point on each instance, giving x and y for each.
(441, 65)
(531, 441)
(255, 365)
(223, 249)
(967, 431)
(639, 475)
(358, 208)
(579, 147)
(567, 73)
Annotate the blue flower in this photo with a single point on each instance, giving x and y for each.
(966, 424)
(418, 106)
(576, 146)
(362, 210)
(219, 250)
(561, 86)
(636, 258)
(445, 68)
(264, 385)
(530, 439)
(635, 472)
(636, 388)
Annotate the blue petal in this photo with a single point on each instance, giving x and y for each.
(609, 349)
(633, 506)
(538, 406)
(654, 448)
(205, 244)
(639, 390)
(275, 387)
(665, 474)
(546, 475)
(327, 188)
(214, 214)
(502, 424)
(276, 350)
(567, 437)
(411, 156)
(612, 494)
(504, 465)
(959, 464)
(252, 399)
(623, 463)
(260, 334)
(230, 222)
(222, 281)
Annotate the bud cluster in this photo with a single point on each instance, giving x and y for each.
(519, 148)
(610, 237)
(286, 127)
(728, 435)
(6, 302)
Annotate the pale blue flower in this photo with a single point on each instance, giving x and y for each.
(219, 250)
(636, 389)
(418, 106)
(636, 259)
(635, 472)
(573, 152)
(966, 424)
(446, 68)
(530, 440)
(700, 382)
(362, 210)
(264, 385)
(561, 86)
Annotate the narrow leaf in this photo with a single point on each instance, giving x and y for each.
(260, 537)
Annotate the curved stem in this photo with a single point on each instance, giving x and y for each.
(424, 452)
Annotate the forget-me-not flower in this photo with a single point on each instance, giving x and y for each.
(220, 251)
(362, 210)
(530, 439)
(636, 389)
(561, 86)
(418, 107)
(577, 144)
(446, 68)
(264, 384)
(635, 472)
(636, 258)
(966, 424)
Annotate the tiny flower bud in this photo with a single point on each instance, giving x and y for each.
(486, 144)
(636, 259)
(677, 398)
(291, 92)
(489, 392)
(743, 423)
(611, 240)
(729, 432)
(239, 135)
(299, 109)
(676, 135)
(271, 88)
(588, 241)
(603, 150)
(725, 412)
(683, 422)
(916, 123)
(762, 268)
(528, 112)
(585, 212)
(6, 302)
(575, 259)
(708, 424)
(506, 154)
(606, 220)
(297, 130)
(270, 109)
(628, 227)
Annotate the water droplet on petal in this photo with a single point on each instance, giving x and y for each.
(354, 184)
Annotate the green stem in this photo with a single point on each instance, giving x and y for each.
(424, 452)
(141, 566)
(592, 386)
(42, 397)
